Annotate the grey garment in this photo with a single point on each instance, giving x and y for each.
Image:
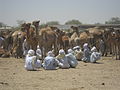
(95, 56)
(50, 63)
(25, 45)
(63, 63)
(86, 55)
(72, 60)
(102, 46)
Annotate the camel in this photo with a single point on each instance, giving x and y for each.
(32, 34)
(112, 42)
(96, 33)
(74, 40)
(47, 40)
(65, 40)
(84, 38)
(62, 39)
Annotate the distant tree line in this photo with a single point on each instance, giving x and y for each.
(113, 20)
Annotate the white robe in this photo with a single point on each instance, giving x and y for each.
(95, 56)
(31, 63)
(72, 60)
(38, 53)
(50, 63)
(63, 63)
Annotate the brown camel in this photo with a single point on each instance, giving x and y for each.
(73, 39)
(32, 34)
(96, 33)
(47, 40)
(84, 38)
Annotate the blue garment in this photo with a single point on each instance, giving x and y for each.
(72, 60)
(50, 63)
(95, 56)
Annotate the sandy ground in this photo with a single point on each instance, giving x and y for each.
(105, 75)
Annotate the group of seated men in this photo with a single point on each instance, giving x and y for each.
(62, 60)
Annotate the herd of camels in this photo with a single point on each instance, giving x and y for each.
(52, 38)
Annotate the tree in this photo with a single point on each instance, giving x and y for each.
(43, 25)
(52, 23)
(77, 22)
(113, 20)
(2, 24)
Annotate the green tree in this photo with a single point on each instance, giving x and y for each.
(113, 20)
(2, 24)
(43, 25)
(52, 23)
(77, 22)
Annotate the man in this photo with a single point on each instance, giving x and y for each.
(95, 55)
(38, 53)
(25, 47)
(71, 58)
(86, 53)
(50, 62)
(31, 62)
(102, 47)
(78, 53)
(63, 61)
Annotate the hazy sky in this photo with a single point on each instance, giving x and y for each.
(87, 11)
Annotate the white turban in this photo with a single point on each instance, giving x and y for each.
(77, 47)
(70, 51)
(93, 49)
(31, 52)
(50, 53)
(85, 45)
(38, 47)
(74, 48)
(61, 51)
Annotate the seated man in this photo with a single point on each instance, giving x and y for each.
(94, 55)
(63, 61)
(50, 62)
(78, 53)
(86, 53)
(31, 62)
(71, 58)
(38, 53)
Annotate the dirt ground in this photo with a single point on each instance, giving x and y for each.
(105, 75)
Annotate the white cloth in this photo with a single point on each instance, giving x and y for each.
(61, 51)
(63, 61)
(72, 60)
(86, 53)
(31, 62)
(25, 47)
(50, 63)
(38, 53)
(93, 49)
(95, 56)
(31, 52)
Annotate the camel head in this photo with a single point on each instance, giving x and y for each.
(36, 23)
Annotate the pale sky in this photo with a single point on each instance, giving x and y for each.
(86, 11)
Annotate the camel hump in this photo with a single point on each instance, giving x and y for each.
(65, 38)
(74, 35)
(83, 35)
